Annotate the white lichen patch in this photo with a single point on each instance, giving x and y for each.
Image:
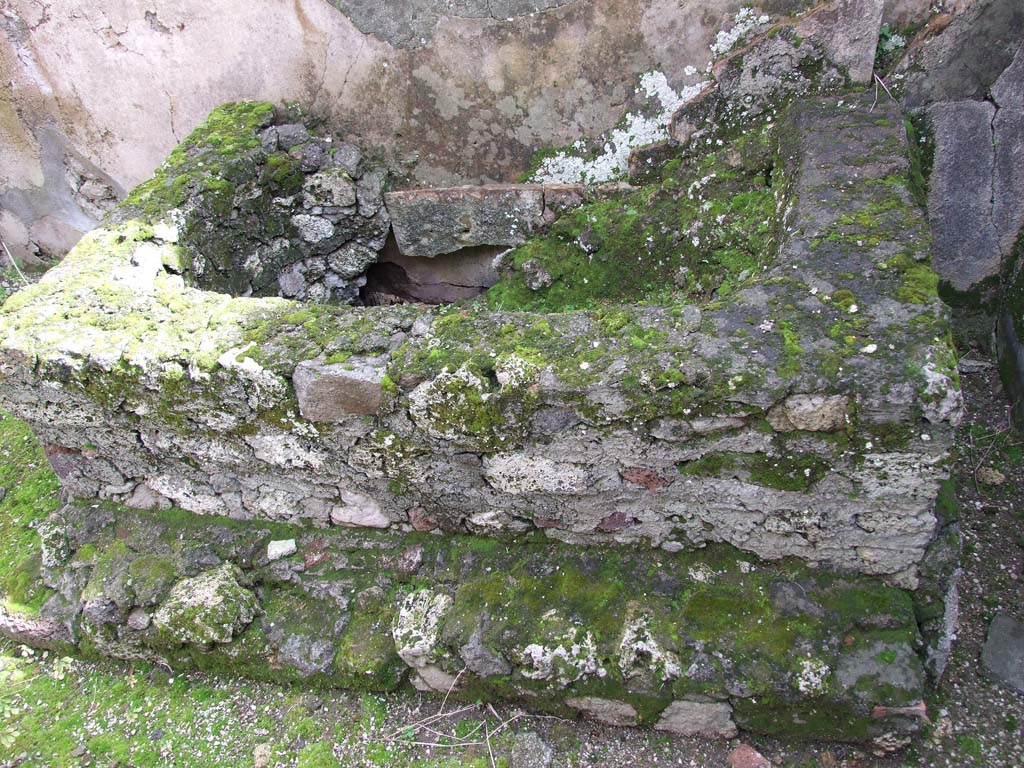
(263, 388)
(640, 651)
(449, 392)
(417, 626)
(513, 372)
(702, 573)
(810, 680)
(636, 129)
(573, 656)
(941, 399)
(312, 229)
(743, 23)
(516, 474)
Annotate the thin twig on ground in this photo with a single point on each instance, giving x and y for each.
(14, 264)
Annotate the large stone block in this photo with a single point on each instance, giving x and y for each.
(784, 417)
(960, 194)
(431, 222)
(333, 392)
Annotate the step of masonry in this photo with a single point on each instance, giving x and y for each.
(694, 644)
(809, 414)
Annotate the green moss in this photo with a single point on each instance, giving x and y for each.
(698, 235)
(793, 472)
(366, 658)
(31, 495)
(151, 577)
(922, 154)
(207, 159)
(792, 352)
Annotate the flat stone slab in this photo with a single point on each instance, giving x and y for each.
(439, 221)
(431, 222)
(1002, 658)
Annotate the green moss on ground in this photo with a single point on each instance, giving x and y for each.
(31, 494)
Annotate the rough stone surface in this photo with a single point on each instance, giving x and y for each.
(278, 549)
(960, 194)
(698, 718)
(486, 419)
(452, 96)
(848, 31)
(812, 413)
(333, 392)
(605, 710)
(1002, 658)
(530, 751)
(745, 756)
(411, 79)
(355, 616)
(209, 608)
(432, 222)
(1008, 151)
(967, 58)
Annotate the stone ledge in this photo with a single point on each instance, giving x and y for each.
(625, 636)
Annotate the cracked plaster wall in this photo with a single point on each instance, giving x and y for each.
(94, 94)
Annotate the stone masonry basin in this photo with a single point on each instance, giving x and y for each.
(788, 389)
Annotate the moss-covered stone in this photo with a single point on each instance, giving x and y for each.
(531, 621)
(212, 607)
(700, 233)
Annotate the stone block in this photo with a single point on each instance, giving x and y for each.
(1002, 657)
(331, 392)
(966, 251)
(431, 222)
(698, 718)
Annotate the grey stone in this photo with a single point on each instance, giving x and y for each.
(1008, 148)
(698, 718)
(307, 655)
(332, 392)
(351, 259)
(810, 413)
(1002, 658)
(102, 610)
(138, 619)
(967, 58)
(282, 548)
(268, 139)
(618, 713)
(479, 659)
(347, 157)
(369, 189)
(312, 157)
(848, 32)
(291, 135)
(791, 599)
(966, 244)
(530, 751)
(332, 188)
(880, 664)
(431, 222)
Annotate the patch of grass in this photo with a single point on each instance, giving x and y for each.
(31, 493)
